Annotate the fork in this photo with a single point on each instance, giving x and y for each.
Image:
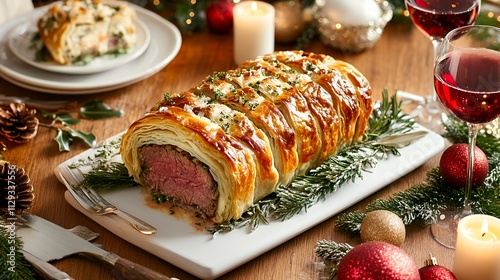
(93, 202)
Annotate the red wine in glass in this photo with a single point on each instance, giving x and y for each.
(467, 82)
(438, 17)
(435, 18)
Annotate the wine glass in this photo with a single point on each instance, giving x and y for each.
(435, 18)
(467, 82)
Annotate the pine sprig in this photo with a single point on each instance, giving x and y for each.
(331, 253)
(105, 174)
(494, 173)
(350, 221)
(422, 202)
(259, 213)
(114, 176)
(457, 131)
(336, 171)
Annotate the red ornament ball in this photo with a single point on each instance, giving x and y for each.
(219, 15)
(453, 166)
(433, 271)
(377, 260)
(436, 272)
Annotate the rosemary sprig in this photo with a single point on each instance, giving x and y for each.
(387, 119)
(104, 154)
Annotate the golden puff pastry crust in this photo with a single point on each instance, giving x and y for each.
(75, 31)
(231, 140)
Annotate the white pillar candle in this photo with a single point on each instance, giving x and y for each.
(253, 30)
(477, 254)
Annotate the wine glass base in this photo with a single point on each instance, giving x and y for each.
(444, 231)
(427, 111)
(431, 115)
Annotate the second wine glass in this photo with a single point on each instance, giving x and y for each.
(467, 82)
(435, 18)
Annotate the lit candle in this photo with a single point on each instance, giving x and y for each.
(253, 30)
(477, 254)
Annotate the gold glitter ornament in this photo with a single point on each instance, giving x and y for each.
(383, 225)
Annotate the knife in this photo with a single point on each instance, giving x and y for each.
(45, 269)
(47, 105)
(48, 241)
(49, 272)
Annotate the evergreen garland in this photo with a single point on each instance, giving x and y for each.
(457, 131)
(423, 202)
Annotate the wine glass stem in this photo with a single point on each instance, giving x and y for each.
(470, 165)
(432, 102)
(435, 48)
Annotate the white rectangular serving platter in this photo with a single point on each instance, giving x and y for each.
(207, 257)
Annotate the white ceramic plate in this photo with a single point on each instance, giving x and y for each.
(161, 50)
(206, 257)
(63, 91)
(20, 43)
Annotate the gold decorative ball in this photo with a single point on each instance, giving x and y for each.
(383, 225)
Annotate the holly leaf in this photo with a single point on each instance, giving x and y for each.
(64, 139)
(66, 119)
(97, 109)
(48, 115)
(88, 138)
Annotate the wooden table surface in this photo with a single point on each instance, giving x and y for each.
(400, 60)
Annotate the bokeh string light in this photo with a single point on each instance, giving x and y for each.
(190, 15)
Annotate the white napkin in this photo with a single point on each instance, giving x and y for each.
(12, 8)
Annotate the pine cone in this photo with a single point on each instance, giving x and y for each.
(19, 124)
(16, 190)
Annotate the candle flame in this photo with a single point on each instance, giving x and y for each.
(484, 228)
(253, 6)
